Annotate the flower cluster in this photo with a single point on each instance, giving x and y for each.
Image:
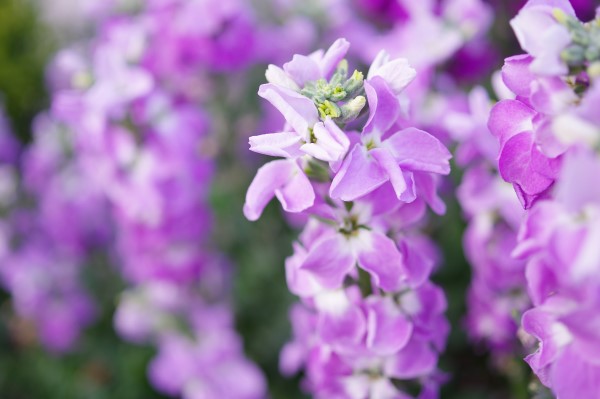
(496, 297)
(536, 127)
(48, 240)
(549, 135)
(134, 98)
(120, 171)
(370, 323)
(198, 349)
(404, 28)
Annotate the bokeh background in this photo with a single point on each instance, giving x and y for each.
(103, 366)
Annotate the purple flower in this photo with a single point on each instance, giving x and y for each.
(521, 162)
(46, 289)
(370, 316)
(210, 367)
(304, 69)
(386, 154)
(322, 140)
(542, 36)
(561, 365)
(284, 179)
(331, 258)
(9, 146)
(469, 129)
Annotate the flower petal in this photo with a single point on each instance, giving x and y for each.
(302, 69)
(390, 165)
(417, 150)
(332, 57)
(384, 108)
(388, 328)
(283, 144)
(520, 165)
(329, 261)
(378, 255)
(345, 331)
(278, 77)
(297, 194)
(397, 73)
(416, 359)
(359, 175)
(284, 179)
(299, 111)
(516, 74)
(331, 142)
(508, 118)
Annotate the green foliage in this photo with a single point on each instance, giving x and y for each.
(24, 50)
(102, 367)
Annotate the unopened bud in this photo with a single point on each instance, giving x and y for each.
(355, 83)
(594, 70)
(341, 73)
(592, 53)
(338, 94)
(573, 55)
(328, 108)
(560, 16)
(352, 108)
(82, 80)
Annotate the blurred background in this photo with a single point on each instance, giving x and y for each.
(97, 363)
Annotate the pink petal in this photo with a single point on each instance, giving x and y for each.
(575, 377)
(302, 69)
(284, 144)
(284, 179)
(508, 118)
(359, 175)
(387, 162)
(516, 165)
(329, 261)
(541, 325)
(427, 189)
(417, 150)
(416, 359)
(378, 255)
(297, 194)
(332, 57)
(331, 144)
(384, 108)
(345, 331)
(299, 111)
(388, 328)
(516, 74)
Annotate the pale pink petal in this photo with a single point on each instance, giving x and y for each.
(299, 111)
(302, 69)
(388, 328)
(329, 261)
(359, 175)
(378, 255)
(508, 118)
(284, 144)
(417, 150)
(387, 162)
(284, 179)
(384, 108)
(297, 194)
(416, 359)
(516, 74)
(331, 142)
(332, 57)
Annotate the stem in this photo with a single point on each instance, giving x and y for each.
(364, 283)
